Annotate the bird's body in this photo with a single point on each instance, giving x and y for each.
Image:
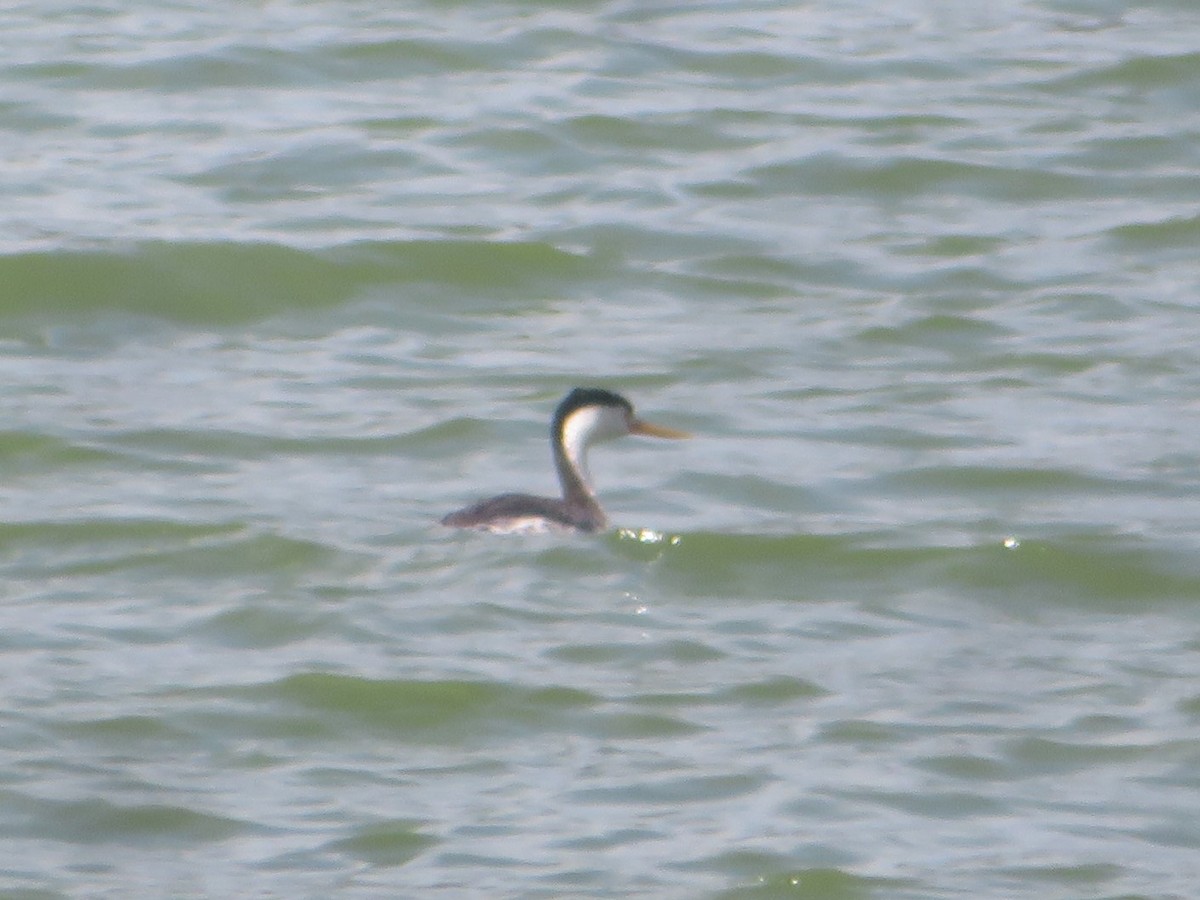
(523, 513)
(586, 416)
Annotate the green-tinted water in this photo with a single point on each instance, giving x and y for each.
(915, 615)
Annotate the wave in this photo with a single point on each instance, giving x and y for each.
(177, 549)
(228, 283)
(1103, 572)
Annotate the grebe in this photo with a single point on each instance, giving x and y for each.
(585, 416)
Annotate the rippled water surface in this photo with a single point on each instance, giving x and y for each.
(914, 615)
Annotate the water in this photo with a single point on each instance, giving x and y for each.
(915, 615)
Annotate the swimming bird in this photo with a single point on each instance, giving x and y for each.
(586, 416)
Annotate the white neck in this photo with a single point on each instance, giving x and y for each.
(585, 427)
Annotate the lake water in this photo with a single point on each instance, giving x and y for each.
(915, 615)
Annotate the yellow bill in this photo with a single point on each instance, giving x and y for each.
(638, 426)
